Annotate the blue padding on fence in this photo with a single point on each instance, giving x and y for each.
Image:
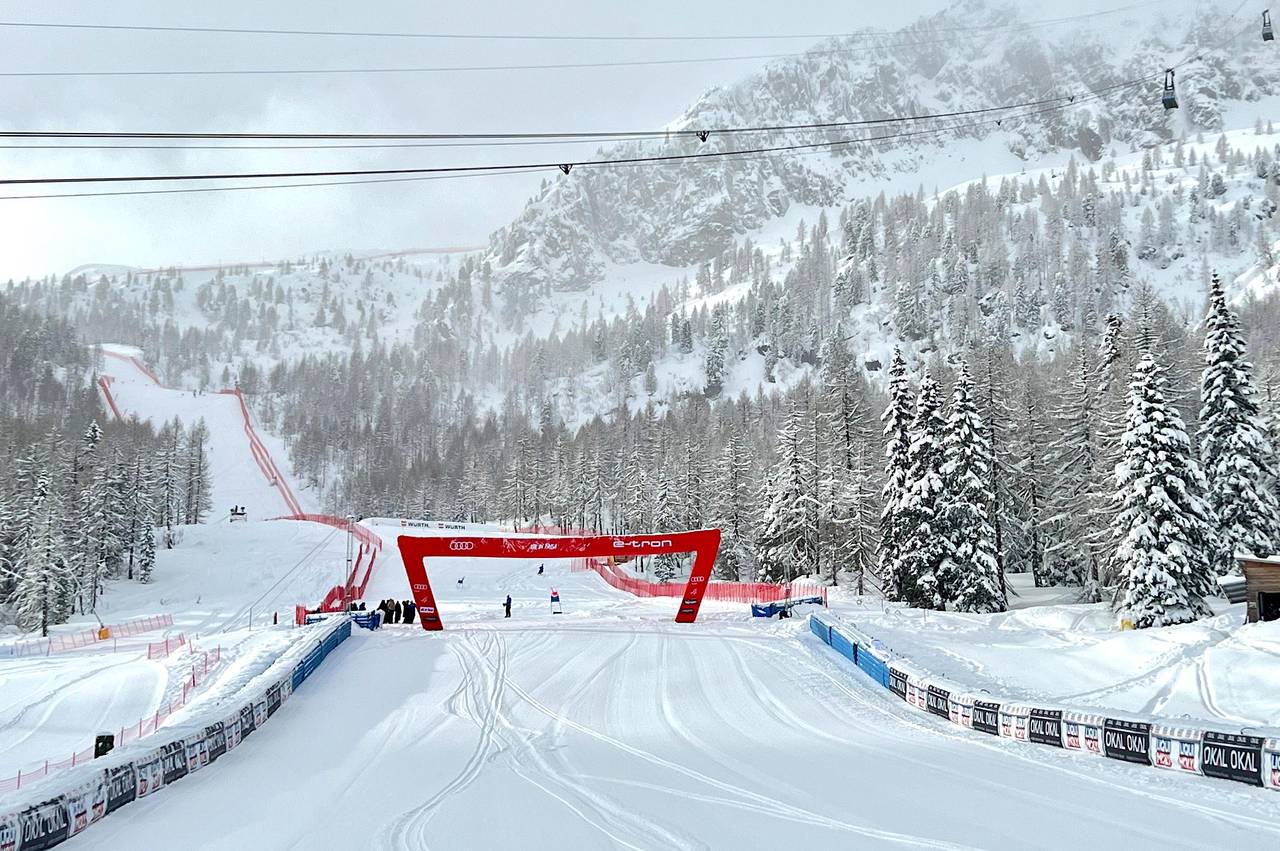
(764, 610)
(873, 666)
(820, 629)
(843, 645)
(367, 620)
(862, 656)
(316, 654)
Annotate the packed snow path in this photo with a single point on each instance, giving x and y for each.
(612, 727)
(236, 476)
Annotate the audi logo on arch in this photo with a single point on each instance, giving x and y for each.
(462, 546)
(421, 586)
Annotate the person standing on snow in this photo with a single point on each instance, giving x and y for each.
(409, 610)
(507, 606)
(540, 567)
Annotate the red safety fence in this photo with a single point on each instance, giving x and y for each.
(363, 534)
(263, 457)
(104, 384)
(731, 592)
(162, 649)
(338, 597)
(63, 642)
(141, 367)
(145, 726)
(256, 447)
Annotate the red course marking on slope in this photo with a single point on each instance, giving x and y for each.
(104, 384)
(256, 448)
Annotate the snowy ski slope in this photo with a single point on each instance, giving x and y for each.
(612, 727)
(237, 477)
(218, 577)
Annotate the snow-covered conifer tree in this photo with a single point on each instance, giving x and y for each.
(897, 433)
(1163, 527)
(1235, 450)
(923, 546)
(969, 575)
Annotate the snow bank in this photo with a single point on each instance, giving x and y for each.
(1243, 757)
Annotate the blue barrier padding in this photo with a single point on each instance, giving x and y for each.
(873, 666)
(316, 655)
(843, 645)
(764, 610)
(820, 629)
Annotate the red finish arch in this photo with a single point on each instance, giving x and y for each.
(703, 543)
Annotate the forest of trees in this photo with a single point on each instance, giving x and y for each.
(81, 495)
(992, 456)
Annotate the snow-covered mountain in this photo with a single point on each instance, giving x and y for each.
(571, 234)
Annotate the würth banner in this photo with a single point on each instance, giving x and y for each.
(703, 543)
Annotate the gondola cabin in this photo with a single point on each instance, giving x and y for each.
(1169, 97)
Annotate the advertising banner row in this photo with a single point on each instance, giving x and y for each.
(94, 793)
(1254, 760)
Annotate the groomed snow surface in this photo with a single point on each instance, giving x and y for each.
(212, 582)
(610, 726)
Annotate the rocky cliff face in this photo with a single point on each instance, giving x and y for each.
(684, 213)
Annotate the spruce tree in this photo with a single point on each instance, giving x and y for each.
(1235, 449)
(923, 547)
(897, 433)
(969, 576)
(1163, 527)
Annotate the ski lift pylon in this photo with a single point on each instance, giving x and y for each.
(1267, 33)
(1169, 97)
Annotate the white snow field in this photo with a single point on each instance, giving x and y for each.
(610, 726)
(237, 478)
(217, 576)
(1220, 671)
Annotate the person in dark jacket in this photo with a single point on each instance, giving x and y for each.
(507, 606)
(395, 612)
(409, 611)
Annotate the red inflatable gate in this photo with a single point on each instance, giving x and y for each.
(703, 543)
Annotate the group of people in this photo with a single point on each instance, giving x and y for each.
(395, 611)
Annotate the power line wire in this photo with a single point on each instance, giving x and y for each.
(475, 171)
(453, 36)
(553, 66)
(612, 135)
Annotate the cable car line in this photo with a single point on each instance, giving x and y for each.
(618, 135)
(545, 37)
(553, 66)
(507, 168)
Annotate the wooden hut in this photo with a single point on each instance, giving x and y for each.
(1262, 588)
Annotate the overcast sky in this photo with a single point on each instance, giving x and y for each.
(44, 236)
